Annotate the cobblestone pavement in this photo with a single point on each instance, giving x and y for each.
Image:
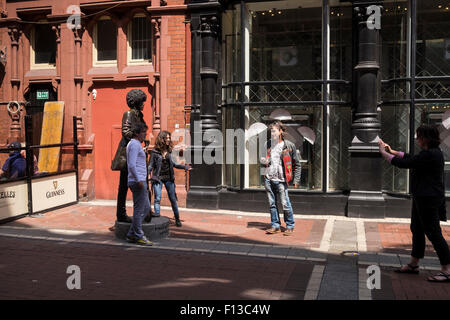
(215, 255)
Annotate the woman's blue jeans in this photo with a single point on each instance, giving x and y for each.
(279, 190)
(170, 187)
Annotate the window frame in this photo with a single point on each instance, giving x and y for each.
(102, 63)
(33, 64)
(130, 60)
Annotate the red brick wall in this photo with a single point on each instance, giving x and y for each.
(176, 89)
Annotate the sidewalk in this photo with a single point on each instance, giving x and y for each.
(333, 252)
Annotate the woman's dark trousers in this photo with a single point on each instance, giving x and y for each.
(425, 221)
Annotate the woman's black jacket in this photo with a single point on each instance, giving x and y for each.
(156, 164)
(427, 172)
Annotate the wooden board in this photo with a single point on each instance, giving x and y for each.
(52, 126)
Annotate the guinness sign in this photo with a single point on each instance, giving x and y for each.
(55, 191)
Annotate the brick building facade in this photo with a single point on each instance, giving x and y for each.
(118, 46)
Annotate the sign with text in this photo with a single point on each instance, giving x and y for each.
(42, 95)
(54, 191)
(13, 199)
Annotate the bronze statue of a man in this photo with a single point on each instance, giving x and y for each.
(135, 101)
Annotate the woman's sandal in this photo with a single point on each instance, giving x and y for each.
(411, 269)
(441, 274)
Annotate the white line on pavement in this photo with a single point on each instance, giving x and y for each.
(361, 236)
(312, 290)
(326, 238)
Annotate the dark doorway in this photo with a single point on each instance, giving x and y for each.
(38, 95)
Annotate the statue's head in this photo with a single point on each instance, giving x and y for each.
(136, 99)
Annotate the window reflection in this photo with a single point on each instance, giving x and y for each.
(304, 126)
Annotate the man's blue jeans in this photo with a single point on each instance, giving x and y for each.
(170, 187)
(279, 190)
(141, 207)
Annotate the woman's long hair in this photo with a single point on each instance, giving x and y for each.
(160, 143)
(430, 135)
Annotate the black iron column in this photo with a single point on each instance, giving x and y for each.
(366, 199)
(205, 178)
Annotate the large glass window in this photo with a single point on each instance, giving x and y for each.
(395, 132)
(395, 67)
(395, 57)
(231, 55)
(231, 169)
(304, 129)
(286, 40)
(285, 43)
(339, 116)
(433, 62)
(433, 38)
(340, 62)
(437, 114)
(339, 121)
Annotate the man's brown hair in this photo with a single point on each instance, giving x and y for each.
(280, 126)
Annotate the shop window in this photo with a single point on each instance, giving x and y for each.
(285, 41)
(436, 114)
(304, 129)
(433, 38)
(340, 137)
(140, 40)
(105, 42)
(395, 131)
(43, 47)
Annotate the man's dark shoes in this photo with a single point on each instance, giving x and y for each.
(126, 219)
(178, 223)
(154, 215)
(410, 269)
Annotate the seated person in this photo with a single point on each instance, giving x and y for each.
(35, 162)
(15, 166)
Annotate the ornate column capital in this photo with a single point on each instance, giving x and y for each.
(14, 32)
(156, 22)
(78, 33)
(210, 24)
(57, 29)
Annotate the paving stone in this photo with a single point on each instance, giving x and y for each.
(389, 260)
(260, 251)
(278, 252)
(297, 253)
